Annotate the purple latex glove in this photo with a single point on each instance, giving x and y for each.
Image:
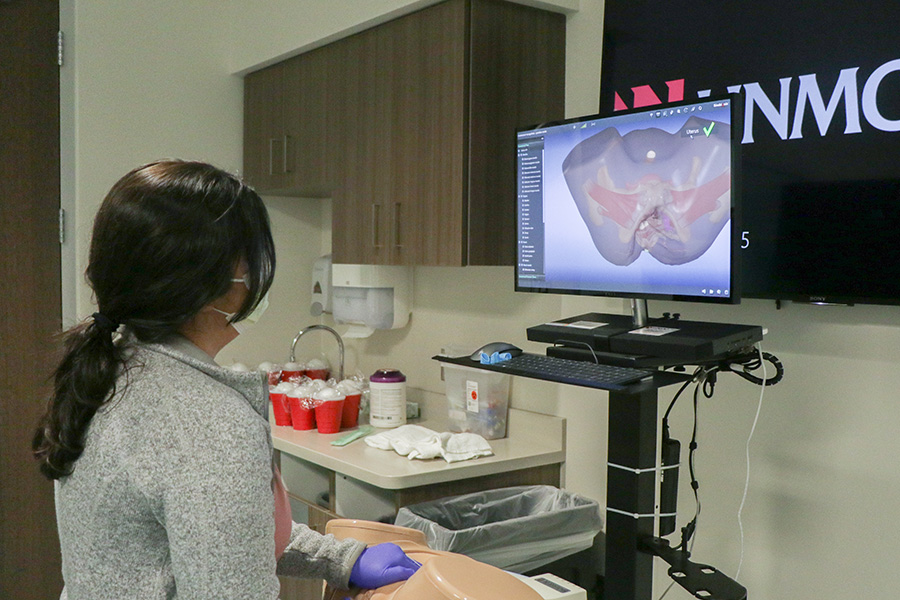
(382, 565)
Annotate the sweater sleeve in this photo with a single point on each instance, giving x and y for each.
(313, 555)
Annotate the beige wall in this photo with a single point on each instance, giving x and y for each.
(154, 79)
(141, 81)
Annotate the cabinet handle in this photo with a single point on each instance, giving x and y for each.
(272, 155)
(376, 209)
(396, 225)
(286, 144)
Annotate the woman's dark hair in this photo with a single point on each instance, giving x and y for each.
(167, 240)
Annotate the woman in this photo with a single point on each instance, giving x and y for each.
(162, 459)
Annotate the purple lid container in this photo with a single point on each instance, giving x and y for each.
(387, 376)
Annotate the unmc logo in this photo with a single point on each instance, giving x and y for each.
(808, 93)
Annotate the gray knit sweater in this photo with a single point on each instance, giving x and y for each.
(172, 497)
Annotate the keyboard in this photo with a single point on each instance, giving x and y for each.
(575, 372)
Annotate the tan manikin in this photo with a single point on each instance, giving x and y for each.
(443, 576)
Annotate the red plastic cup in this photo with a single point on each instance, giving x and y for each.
(292, 376)
(350, 410)
(303, 416)
(272, 371)
(328, 415)
(291, 371)
(317, 374)
(280, 408)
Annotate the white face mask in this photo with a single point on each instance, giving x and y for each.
(243, 325)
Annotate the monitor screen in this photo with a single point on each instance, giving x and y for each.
(638, 204)
(820, 200)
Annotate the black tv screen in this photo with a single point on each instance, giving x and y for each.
(821, 140)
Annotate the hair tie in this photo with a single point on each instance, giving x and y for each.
(104, 322)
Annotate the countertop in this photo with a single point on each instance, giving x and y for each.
(532, 440)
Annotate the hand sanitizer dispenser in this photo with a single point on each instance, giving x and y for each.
(370, 297)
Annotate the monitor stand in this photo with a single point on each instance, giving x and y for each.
(639, 313)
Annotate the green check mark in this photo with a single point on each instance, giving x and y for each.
(708, 130)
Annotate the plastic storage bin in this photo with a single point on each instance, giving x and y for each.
(478, 401)
(516, 528)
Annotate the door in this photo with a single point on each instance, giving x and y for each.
(30, 272)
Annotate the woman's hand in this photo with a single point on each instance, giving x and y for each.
(380, 565)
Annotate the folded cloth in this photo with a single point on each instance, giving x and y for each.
(463, 446)
(415, 441)
(407, 438)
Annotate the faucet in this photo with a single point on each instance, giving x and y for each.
(337, 336)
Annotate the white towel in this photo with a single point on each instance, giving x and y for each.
(463, 446)
(415, 441)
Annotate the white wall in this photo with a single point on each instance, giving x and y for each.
(155, 79)
(141, 81)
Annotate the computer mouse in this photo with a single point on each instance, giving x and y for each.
(500, 347)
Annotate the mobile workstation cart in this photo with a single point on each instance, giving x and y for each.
(631, 493)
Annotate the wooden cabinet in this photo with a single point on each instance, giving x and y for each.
(426, 174)
(402, 178)
(285, 131)
(420, 116)
(263, 126)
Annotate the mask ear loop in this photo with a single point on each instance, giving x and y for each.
(229, 315)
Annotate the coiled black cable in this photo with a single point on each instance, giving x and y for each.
(751, 362)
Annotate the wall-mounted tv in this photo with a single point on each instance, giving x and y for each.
(821, 139)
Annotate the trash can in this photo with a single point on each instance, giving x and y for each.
(516, 528)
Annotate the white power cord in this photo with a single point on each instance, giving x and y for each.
(762, 391)
(762, 384)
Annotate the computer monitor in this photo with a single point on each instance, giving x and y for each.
(640, 204)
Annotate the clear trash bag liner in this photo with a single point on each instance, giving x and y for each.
(516, 528)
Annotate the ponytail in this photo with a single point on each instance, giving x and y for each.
(84, 381)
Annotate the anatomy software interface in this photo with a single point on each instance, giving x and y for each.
(637, 203)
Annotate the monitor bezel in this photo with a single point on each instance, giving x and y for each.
(734, 297)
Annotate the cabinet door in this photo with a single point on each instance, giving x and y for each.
(516, 79)
(305, 103)
(428, 70)
(264, 136)
(359, 123)
(399, 108)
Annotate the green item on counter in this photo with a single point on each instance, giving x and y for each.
(412, 410)
(363, 431)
